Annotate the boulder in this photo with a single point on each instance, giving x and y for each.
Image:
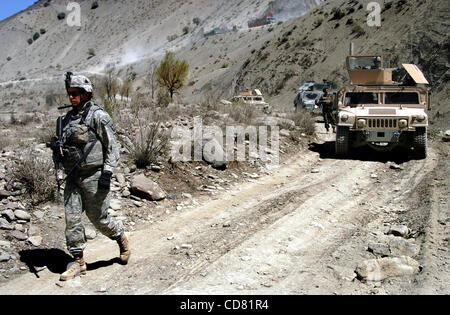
(35, 240)
(120, 179)
(22, 215)
(90, 233)
(4, 256)
(4, 194)
(145, 188)
(18, 235)
(446, 137)
(400, 247)
(8, 214)
(382, 268)
(379, 249)
(5, 225)
(399, 230)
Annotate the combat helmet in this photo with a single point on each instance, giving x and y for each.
(78, 81)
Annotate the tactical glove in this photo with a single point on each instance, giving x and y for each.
(105, 179)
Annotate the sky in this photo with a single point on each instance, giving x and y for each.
(11, 7)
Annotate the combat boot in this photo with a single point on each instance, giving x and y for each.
(75, 268)
(125, 250)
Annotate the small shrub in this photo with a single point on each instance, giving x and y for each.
(34, 172)
(305, 121)
(164, 98)
(196, 21)
(358, 30)
(8, 59)
(185, 30)
(400, 4)
(36, 36)
(149, 142)
(91, 53)
(94, 5)
(5, 142)
(30, 41)
(42, 31)
(337, 14)
(172, 37)
(46, 133)
(317, 23)
(61, 16)
(241, 112)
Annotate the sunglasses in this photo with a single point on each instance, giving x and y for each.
(74, 93)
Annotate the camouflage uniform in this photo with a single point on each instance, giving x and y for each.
(327, 111)
(82, 191)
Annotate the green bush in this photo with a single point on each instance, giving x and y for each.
(30, 41)
(42, 31)
(36, 36)
(61, 16)
(94, 5)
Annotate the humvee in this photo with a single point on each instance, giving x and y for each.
(379, 112)
(253, 97)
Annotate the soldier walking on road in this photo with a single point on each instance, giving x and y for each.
(89, 154)
(326, 101)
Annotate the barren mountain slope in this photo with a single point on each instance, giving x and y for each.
(129, 34)
(117, 31)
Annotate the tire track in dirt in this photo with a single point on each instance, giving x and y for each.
(278, 236)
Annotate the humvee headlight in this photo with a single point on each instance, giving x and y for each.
(361, 123)
(420, 118)
(344, 118)
(403, 123)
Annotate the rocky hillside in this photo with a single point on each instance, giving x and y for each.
(314, 47)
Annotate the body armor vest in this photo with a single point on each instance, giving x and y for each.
(79, 135)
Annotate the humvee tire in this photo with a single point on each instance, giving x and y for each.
(342, 140)
(420, 142)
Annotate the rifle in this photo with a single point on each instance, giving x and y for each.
(59, 155)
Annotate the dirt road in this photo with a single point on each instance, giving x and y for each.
(301, 230)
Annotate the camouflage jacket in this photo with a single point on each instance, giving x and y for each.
(323, 99)
(91, 127)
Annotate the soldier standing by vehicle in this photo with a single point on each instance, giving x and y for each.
(326, 101)
(89, 153)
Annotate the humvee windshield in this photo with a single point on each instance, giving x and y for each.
(357, 63)
(311, 96)
(401, 98)
(355, 98)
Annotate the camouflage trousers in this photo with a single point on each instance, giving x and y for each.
(328, 118)
(82, 194)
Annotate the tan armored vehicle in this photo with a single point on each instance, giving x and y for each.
(381, 113)
(253, 97)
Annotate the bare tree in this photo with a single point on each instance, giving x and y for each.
(150, 80)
